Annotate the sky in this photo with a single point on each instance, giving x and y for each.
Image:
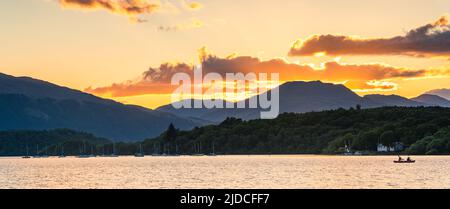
(126, 50)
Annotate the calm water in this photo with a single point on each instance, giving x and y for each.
(226, 172)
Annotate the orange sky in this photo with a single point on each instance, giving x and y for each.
(91, 45)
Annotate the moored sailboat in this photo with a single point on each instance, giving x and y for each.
(27, 156)
(140, 153)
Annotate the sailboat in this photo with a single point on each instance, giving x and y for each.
(37, 152)
(92, 152)
(156, 150)
(46, 153)
(26, 156)
(83, 151)
(140, 153)
(176, 150)
(198, 150)
(114, 151)
(213, 153)
(62, 152)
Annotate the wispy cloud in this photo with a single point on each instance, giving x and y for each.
(193, 23)
(426, 41)
(130, 8)
(133, 9)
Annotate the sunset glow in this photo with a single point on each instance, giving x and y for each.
(128, 50)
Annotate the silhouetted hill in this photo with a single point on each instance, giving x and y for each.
(432, 100)
(392, 100)
(296, 97)
(444, 93)
(30, 104)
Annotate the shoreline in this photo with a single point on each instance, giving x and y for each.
(234, 155)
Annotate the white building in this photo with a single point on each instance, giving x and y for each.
(383, 148)
(398, 146)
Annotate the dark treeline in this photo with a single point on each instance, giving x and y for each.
(422, 131)
(52, 142)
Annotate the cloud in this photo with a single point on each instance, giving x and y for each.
(193, 23)
(360, 77)
(366, 86)
(134, 8)
(192, 5)
(130, 8)
(426, 41)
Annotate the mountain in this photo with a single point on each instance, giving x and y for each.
(301, 97)
(197, 114)
(31, 104)
(36, 89)
(444, 93)
(432, 100)
(392, 100)
(298, 97)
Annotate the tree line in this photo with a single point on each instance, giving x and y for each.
(422, 130)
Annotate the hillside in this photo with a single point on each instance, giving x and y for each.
(432, 100)
(30, 104)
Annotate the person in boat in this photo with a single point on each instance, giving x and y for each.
(400, 159)
(408, 159)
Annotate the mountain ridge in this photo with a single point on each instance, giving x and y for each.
(301, 97)
(444, 93)
(32, 104)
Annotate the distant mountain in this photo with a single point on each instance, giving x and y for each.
(432, 100)
(197, 114)
(444, 93)
(298, 97)
(301, 97)
(392, 100)
(31, 104)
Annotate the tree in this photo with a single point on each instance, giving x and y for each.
(420, 147)
(387, 138)
(348, 139)
(359, 144)
(438, 145)
(366, 140)
(171, 133)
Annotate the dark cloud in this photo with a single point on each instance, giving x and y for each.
(130, 8)
(428, 40)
